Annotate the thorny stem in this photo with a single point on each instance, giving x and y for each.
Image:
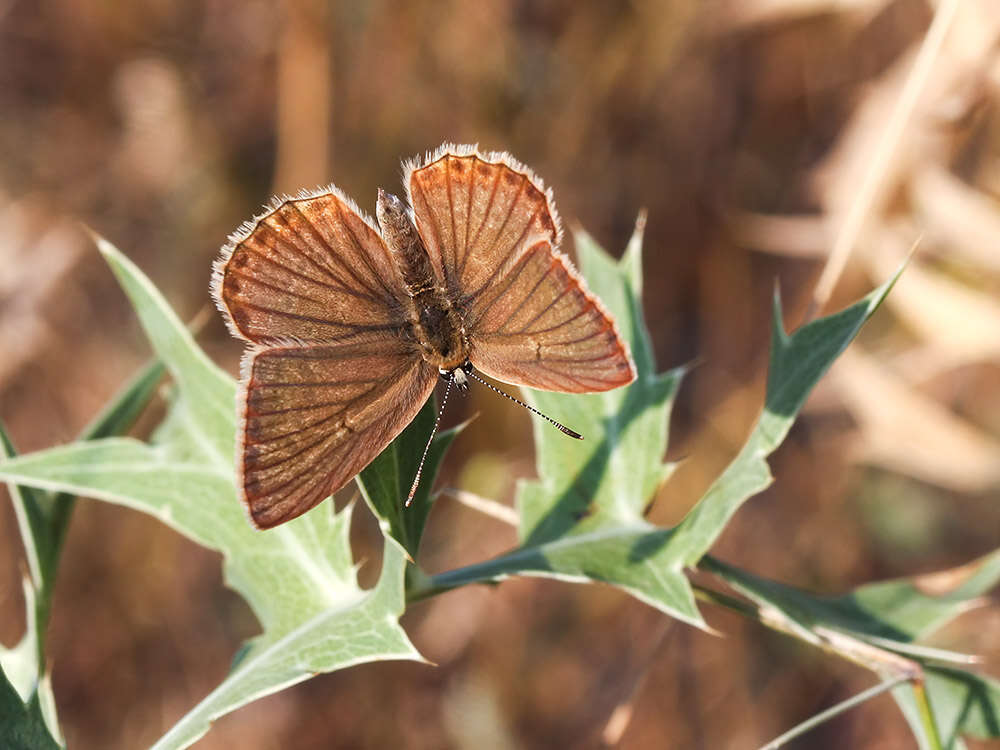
(892, 667)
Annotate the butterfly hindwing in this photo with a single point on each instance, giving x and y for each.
(314, 416)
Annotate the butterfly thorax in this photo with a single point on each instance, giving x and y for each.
(435, 323)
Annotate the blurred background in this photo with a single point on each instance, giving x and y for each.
(745, 128)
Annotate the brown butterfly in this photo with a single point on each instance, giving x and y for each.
(349, 326)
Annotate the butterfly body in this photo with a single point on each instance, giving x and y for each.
(350, 325)
(435, 322)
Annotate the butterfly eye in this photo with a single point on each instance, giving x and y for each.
(386, 205)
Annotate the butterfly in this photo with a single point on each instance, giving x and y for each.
(350, 323)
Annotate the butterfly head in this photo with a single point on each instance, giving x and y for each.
(391, 212)
(459, 375)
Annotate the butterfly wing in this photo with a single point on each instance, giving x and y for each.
(491, 231)
(540, 327)
(330, 378)
(315, 416)
(310, 269)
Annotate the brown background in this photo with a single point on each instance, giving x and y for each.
(744, 127)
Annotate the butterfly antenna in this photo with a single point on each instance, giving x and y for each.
(437, 422)
(533, 410)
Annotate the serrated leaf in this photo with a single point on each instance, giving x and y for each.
(901, 610)
(385, 482)
(896, 613)
(357, 629)
(582, 520)
(42, 520)
(916, 607)
(299, 578)
(610, 476)
(898, 610)
(797, 363)
(964, 703)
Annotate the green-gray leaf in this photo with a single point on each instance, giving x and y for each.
(299, 578)
(964, 704)
(582, 520)
(357, 629)
(22, 726)
(892, 615)
(896, 612)
(798, 362)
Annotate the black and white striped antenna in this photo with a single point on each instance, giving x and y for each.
(453, 377)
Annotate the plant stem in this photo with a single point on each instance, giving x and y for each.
(892, 667)
(814, 721)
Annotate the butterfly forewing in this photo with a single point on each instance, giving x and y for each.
(475, 217)
(311, 269)
(315, 416)
(491, 230)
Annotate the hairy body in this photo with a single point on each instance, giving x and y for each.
(435, 322)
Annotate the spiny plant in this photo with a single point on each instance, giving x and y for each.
(582, 520)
